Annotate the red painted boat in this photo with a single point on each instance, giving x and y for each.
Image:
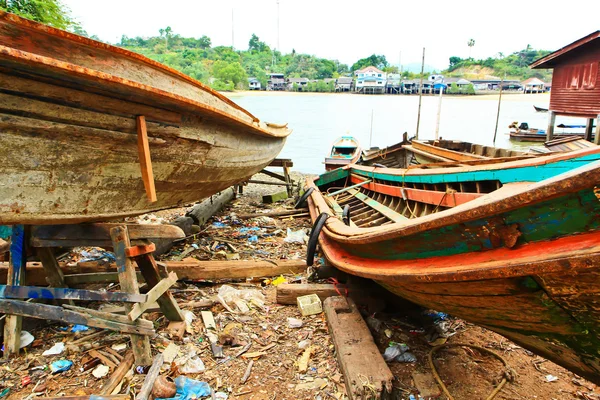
(513, 247)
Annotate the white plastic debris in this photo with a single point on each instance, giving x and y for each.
(298, 236)
(294, 322)
(243, 299)
(303, 344)
(100, 371)
(551, 378)
(55, 350)
(189, 362)
(26, 339)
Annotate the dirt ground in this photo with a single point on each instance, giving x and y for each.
(263, 335)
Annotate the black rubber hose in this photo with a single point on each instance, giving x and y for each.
(346, 215)
(302, 201)
(314, 238)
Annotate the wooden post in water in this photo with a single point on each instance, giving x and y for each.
(437, 124)
(589, 128)
(371, 134)
(420, 94)
(498, 112)
(597, 134)
(551, 123)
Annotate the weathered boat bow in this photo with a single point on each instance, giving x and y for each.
(69, 109)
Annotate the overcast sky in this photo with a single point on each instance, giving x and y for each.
(348, 31)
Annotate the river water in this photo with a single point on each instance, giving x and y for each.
(318, 119)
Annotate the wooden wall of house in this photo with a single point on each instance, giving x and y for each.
(576, 82)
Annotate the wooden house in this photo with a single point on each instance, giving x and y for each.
(575, 83)
(533, 85)
(299, 82)
(276, 82)
(370, 80)
(343, 84)
(253, 84)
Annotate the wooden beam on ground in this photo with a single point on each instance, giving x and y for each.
(98, 234)
(187, 269)
(151, 376)
(50, 293)
(204, 210)
(55, 313)
(365, 372)
(118, 375)
(145, 160)
(260, 182)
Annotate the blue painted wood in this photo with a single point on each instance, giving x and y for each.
(332, 176)
(5, 231)
(35, 292)
(18, 258)
(507, 175)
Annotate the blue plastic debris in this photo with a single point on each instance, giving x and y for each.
(79, 328)
(218, 224)
(60, 366)
(97, 254)
(252, 229)
(188, 389)
(253, 239)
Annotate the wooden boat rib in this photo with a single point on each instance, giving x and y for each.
(513, 247)
(69, 112)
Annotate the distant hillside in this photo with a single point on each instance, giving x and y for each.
(514, 66)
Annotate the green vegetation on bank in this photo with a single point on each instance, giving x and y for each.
(225, 68)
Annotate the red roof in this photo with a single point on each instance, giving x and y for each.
(552, 59)
(369, 69)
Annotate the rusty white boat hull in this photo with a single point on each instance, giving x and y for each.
(69, 131)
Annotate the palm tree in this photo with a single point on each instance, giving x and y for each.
(470, 43)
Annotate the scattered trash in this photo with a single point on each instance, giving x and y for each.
(221, 396)
(188, 389)
(398, 352)
(318, 383)
(309, 304)
(303, 344)
(101, 371)
(278, 281)
(95, 254)
(551, 378)
(170, 353)
(26, 380)
(57, 349)
(60, 366)
(298, 236)
(79, 328)
(119, 346)
(164, 387)
(219, 225)
(4, 392)
(294, 322)
(26, 339)
(189, 362)
(253, 239)
(242, 299)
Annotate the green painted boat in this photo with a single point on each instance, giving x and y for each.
(513, 247)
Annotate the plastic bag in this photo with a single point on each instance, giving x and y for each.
(60, 366)
(188, 389)
(241, 299)
(298, 236)
(394, 350)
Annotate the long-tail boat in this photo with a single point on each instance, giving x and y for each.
(513, 247)
(344, 150)
(92, 132)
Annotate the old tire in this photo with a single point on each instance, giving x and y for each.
(346, 215)
(302, 201)
(311, 248)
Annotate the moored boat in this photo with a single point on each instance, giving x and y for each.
(523, 133)
(72, 110)
(344, 150)
(513, 247)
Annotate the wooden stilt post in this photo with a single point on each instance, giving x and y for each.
(589, 128)
(551, 123)
(128, 280)
(53, 272)
(16, 276)
(597, 134)
(145, 161)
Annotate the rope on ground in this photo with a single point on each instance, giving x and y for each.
(509, 373)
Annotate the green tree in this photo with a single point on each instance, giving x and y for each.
(204, 42)
(230, 72)
(255, 45)
(454, 62)
(470, 43)
(378, 61)
(50, 12)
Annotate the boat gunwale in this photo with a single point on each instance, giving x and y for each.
(29, 24)
(484, 206)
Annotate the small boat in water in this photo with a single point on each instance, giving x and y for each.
(345, 150)
(94, 132)
(513, 247)
(540, 109)
(522, 132)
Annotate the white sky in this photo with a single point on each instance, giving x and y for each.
(347, 30)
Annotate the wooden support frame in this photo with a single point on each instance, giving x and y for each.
(36, 292)
(16, 276)
(127, 278)
(145, 161)
(153, 295)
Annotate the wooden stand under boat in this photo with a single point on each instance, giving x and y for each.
(514, 247)
(94, 132)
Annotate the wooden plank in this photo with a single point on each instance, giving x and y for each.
(100, 277)
(151, 376)
(15, 276)
(166, 301)
(275, 197)
(145, 160)
(108, 316)
(158, 290)
(140, 249)
(98, 234)
(273, 213)
(128, 281)
(273, 175)
(188, 269)
(346, 189)
(118, 375)
(36, 292)
(55, 313)
(388, 212)
(281, 162)
(365, 372)
(51, 267)
(204, 210)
